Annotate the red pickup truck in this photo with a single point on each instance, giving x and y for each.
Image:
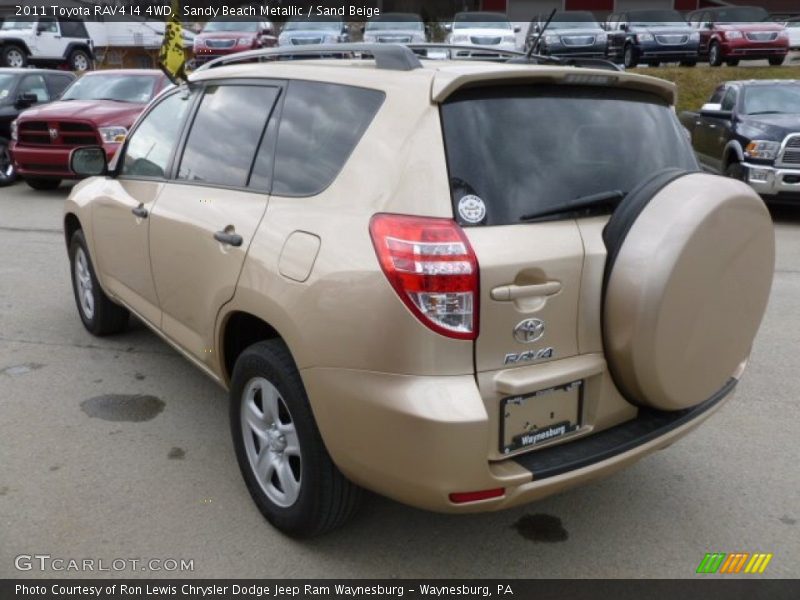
(731, 34)
(96, 110)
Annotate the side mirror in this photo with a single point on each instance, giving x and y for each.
(448, 27)
(26, 100)
(714, 110)
(517, 29)
(90, 161)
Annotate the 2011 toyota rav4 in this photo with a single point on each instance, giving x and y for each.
(99, 108)
(463, 286)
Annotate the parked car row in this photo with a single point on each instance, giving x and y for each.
(37, 134)
(714, 35)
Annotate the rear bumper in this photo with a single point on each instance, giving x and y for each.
(773, 181)
(41, 161)
(419, 439)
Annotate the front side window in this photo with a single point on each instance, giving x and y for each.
(150, 147)
(34, 84)
(225, 134)
(729, 101)
(321, 125)
(528, 149)
(47, 26)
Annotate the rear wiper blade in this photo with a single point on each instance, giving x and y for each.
(610, 198)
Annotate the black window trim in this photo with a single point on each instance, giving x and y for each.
(276, 113)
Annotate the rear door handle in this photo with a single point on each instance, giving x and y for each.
(509, 293)
(229, 238)
(140, 211)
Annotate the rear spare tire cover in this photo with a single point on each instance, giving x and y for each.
(689, 270)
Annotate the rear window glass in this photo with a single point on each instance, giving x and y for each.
(526, 149)
(320, 126)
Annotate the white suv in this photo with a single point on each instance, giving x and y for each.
(45, 42)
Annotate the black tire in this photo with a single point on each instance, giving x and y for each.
(732, 62)
(106, 318)
(688, 63)
(735, 170)
(14, 56)
(715, 55)
(326, 499)
(80, 61)
(776, 61)
(43, 185)
(8, 174)
(629, 58)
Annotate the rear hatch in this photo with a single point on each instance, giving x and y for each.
(518, 151)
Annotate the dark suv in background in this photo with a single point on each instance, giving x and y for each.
(742, 33)
(651, 37)
(21, 89)
(574, 33)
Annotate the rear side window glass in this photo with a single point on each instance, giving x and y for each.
(73, 29)
(321, 124)
(57, 84)
(225, 134)
(526, 149)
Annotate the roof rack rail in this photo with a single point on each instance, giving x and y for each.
(392, 57)
(487, 53)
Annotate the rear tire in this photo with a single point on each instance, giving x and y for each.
(14, 57)
(98, 313)
(715, 55)
(8, 174)
(300, 492)
(43, 185)
(776, 61)
(80, 61)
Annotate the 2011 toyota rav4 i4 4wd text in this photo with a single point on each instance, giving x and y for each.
(406, 274)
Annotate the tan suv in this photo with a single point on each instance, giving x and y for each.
(406, 274)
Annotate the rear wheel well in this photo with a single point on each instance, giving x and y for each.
(71, 225)
(242, 330)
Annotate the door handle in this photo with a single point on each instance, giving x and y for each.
(140, 211)
(509, 293)
(229, 238)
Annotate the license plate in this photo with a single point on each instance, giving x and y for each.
(534, 419)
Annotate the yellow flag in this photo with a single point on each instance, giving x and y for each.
(172, 58)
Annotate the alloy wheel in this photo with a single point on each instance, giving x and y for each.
(271, 442)
(83, 283)
(15, 59)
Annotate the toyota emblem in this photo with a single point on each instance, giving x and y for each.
(529, 331)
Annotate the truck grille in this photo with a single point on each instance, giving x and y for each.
(221, 44)
(672, 40)
(791, 151)
(394, 39)
(57, 133)
(762, 36)
(485, 41)
(576, 41)
(306, 41)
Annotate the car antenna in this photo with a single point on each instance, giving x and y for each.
(541, 33)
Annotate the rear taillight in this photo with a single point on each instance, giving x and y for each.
(433, 269)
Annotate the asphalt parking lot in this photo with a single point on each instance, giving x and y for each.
(77, 482)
